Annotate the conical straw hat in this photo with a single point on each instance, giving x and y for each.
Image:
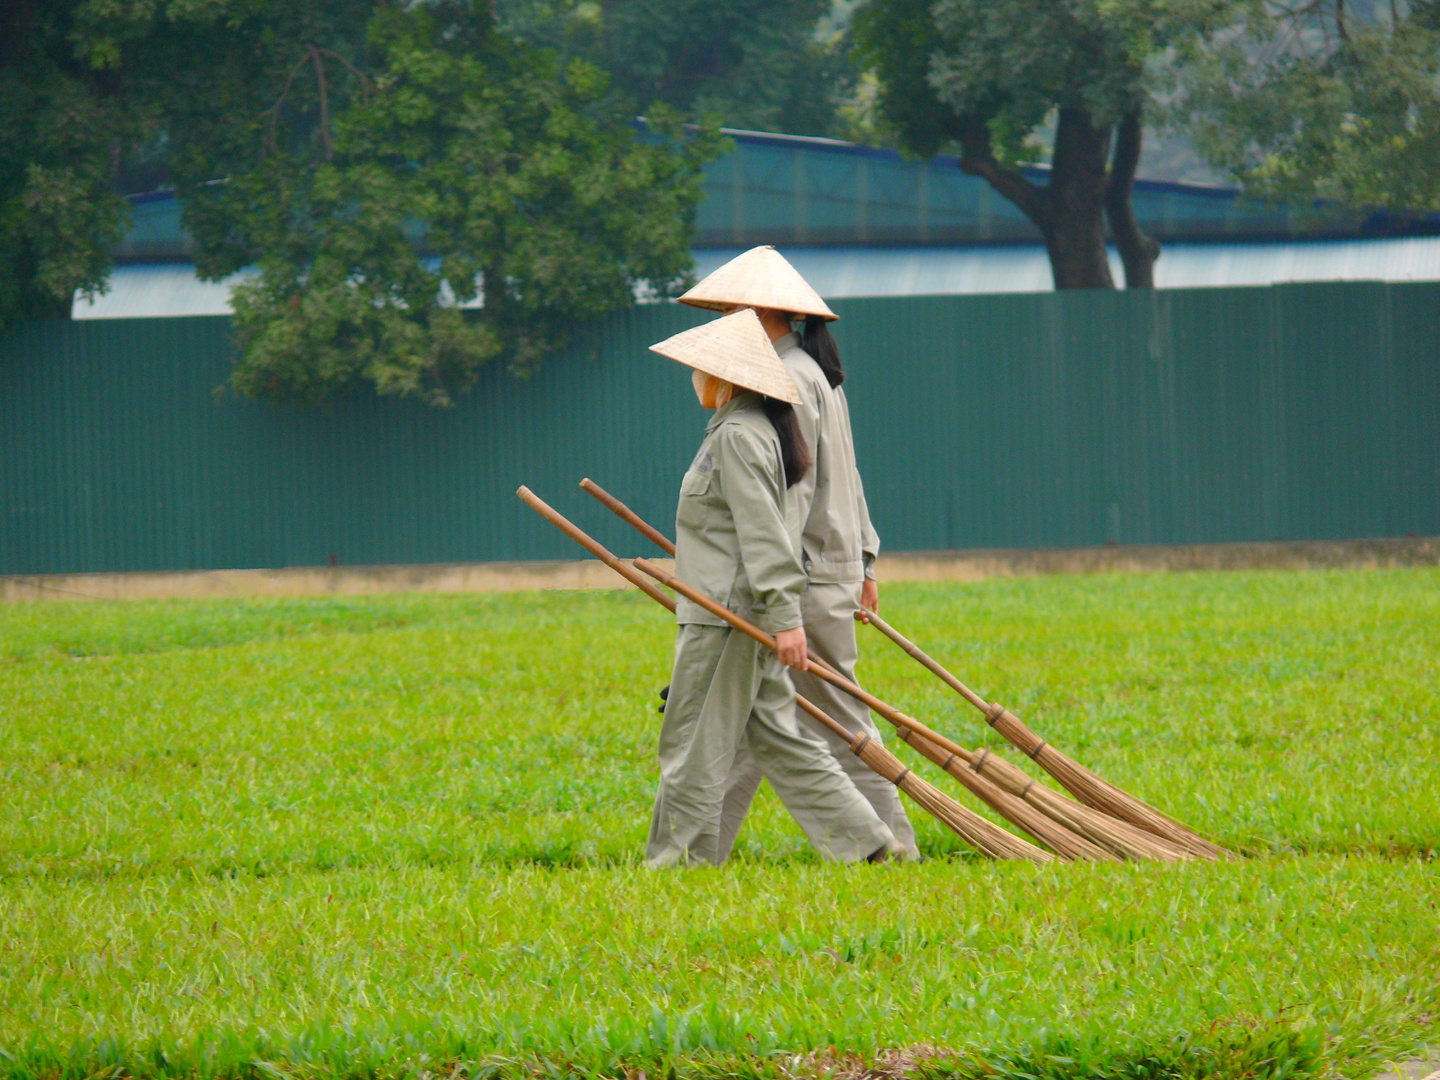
(736, 349)
(761, 278)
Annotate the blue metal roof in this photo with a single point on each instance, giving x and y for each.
(794, 190)
(784, 189)
(159, 289)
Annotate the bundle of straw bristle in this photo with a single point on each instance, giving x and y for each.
(1117, 837)
(1057, 836)
(987, 838)
(1097, 793)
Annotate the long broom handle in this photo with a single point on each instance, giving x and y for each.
(570, 529)
(934, 665)
(895, 716)
(604, 554)
(821, 668)
(643, 527)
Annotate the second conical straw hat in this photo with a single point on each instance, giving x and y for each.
(761, 278)
(736, 349)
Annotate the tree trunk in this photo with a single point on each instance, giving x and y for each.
(1138, 251)
(1074, 229)
(1084, 190)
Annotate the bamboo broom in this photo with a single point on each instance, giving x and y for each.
(1080, 781)
(969, 826)
(932, 744)
(1009, 788)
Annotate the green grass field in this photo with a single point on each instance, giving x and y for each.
(401, 836)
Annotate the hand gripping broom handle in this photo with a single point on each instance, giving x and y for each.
(561, 522)
(978, 832)
(823, 670)
(605, 555)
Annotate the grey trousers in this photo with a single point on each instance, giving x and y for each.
(829, 613)
(727, 694)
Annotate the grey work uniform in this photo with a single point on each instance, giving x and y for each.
(727, 692)
(838, 551)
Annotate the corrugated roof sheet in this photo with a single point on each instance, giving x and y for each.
(787, 189)
(138, 291)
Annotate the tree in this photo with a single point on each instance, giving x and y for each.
(768, 65)
(381, 164)
(1320, 99)
(984, 74)
(60, 115)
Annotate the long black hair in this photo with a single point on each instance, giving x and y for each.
(793, 452)
(817, 340)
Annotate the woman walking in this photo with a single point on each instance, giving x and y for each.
(728, 694)
(837, 542)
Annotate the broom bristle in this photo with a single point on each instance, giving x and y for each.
(983, 835)
(1120, 837)
(1095, 792)
(1055, 835)
(1103, 796)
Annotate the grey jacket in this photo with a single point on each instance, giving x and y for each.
(732, 535)
(839, 543)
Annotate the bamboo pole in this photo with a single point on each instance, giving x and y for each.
(985, 837)
(639, 524)
(1110, 834)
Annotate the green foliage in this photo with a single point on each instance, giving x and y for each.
(1321, 100)
(382, 165)
(985, 76)
(399, 835)
(895, 40)
(60, 114)
(757, 64)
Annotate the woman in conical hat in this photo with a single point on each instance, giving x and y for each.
(838, 543)
(732, 542)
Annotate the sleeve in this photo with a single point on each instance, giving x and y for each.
(869, 538)
(752, 486)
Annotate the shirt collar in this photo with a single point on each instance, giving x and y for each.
(740, 397)
(786, 343)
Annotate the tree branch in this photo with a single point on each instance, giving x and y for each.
(977, 159)
(365, 84)
(273, 112)
(324, 102)
(1138, 251)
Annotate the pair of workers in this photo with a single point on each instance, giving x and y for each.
(772, 523)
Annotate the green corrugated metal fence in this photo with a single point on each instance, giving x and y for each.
(1293, 412)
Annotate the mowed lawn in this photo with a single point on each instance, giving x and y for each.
(401, 836)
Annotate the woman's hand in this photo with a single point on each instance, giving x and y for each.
(790, 644)
(869, 599)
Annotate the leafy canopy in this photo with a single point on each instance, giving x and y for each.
(60, 118)
(380, 165)
(986, 75)
(769, 65)
(1320, 99)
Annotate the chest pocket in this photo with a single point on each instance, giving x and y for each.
(694, 489)
(695, 482)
